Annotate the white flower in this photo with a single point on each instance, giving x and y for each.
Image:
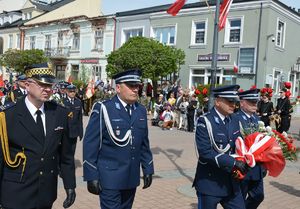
(261, 124)
(284, 134)
(269, 130)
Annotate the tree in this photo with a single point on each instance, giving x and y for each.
(154, 59)
(17, 60)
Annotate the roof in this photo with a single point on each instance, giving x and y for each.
(50, 7)
(14, 24)
(165, 7)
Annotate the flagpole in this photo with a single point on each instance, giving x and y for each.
(214, 55)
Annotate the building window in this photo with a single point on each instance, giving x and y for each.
(97, 72)
(60, 72)
(76, 41)
(32, 42)
(1, 20)
(18, 41)
(247, 60)
(75, 71)
(280, 34)
(10, 41)
(60, 39)
(132, 33)
(165, 35)
(98, 40)
(277, 81)
(199, 33)
(233, 31)
(47, 42)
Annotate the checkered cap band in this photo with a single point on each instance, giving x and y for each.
(39, 71)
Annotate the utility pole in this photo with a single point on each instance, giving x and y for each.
(214, 55)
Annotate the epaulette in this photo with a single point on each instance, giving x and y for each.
(7, 106)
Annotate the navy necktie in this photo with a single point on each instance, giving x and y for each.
(226, 121)
(128, 108)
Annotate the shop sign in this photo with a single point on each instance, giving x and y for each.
(208, 57)
(89, 61)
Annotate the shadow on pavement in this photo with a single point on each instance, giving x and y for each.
(77, 164)
(286, 188)
(172, 155)
(194, 205)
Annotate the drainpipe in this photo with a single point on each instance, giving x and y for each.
(115, 32)
(258, 43)
(22, 38)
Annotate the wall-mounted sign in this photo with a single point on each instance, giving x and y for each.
(208, 57)
(89, 61)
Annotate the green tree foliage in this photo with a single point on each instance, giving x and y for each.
(17, 60)
(153, 58)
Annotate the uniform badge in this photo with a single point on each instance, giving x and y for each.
(118, 132)
(217, 120)
(244, 117)
(117, 105)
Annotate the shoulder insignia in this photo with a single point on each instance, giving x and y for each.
(7, 106)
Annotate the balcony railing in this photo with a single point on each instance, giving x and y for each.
(58, 52)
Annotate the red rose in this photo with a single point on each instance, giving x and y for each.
(204, 91)
(288, 85)
(197, 91)
(270, 91)
(253, 87)
(288, 94)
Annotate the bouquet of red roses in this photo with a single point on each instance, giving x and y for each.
(266, 147)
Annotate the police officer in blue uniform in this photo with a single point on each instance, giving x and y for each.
(35, 129)
(116, 145)
(252, 185)
(74, 108)
(215, 181)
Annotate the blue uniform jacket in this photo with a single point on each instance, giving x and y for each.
(117, 167)
(257, 172)
(214, 169)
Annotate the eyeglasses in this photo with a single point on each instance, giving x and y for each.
(42, 86)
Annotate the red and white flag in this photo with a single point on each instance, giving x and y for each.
(176, 7)
(90, 89)
(224, 9)
(235, 68)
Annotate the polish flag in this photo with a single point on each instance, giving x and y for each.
(90, 89)
(176, 7)
(224, 9)
(235, 68)
(70, 79)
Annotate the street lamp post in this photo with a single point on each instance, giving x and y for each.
(214, 54)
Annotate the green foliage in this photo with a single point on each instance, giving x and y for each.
(78, 83)
(153, 58)
(17, 60)
(84, 74)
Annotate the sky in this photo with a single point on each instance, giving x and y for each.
(113, 6)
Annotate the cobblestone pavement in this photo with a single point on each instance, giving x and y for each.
(175, 162)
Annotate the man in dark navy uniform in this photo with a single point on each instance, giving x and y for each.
(74, 108)
(283, 109)
(252, 185)
(20, 91)
(35, 130)
(116, 145)
(216, 132)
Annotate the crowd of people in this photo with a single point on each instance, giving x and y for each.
(48, 117)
